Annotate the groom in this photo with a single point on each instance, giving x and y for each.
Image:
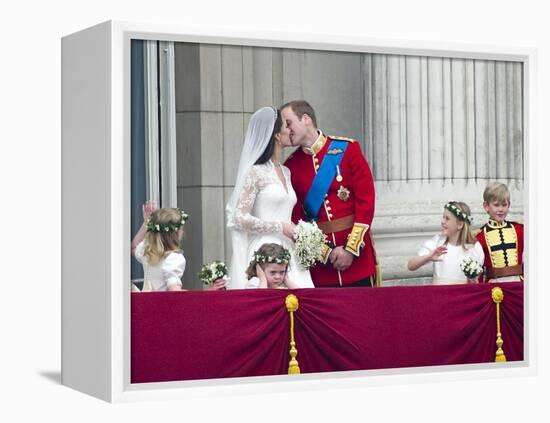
(334, 186)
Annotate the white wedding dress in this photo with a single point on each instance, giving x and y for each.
(263, 205)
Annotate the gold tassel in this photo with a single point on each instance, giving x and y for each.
(378, 275)
(291, 302)
(498, 296)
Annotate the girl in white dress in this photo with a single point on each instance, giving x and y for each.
(260, 207)
(448, 249)
(269, 268)
(157, 246)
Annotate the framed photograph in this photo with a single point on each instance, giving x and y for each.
(158, 113)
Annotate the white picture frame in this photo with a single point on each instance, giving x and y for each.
(96, 160)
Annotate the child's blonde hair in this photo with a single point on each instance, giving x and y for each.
(270, 253)
(496, 191)
(160, 242)
(462, 212)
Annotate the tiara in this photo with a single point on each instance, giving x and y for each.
(459, 214)
(283, 258)
(167, 227)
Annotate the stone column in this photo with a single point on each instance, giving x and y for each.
(441, 129)
(200, 145)
(217, 90)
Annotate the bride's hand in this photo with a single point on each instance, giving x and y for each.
(289, 230)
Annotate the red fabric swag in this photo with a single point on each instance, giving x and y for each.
(209, 335)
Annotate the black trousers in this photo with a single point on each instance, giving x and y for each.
(367, 282)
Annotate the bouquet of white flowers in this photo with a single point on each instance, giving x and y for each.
(309, 243)
(471, 268)
(212, 271)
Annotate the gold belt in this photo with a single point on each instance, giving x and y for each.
(501, 272)
(337, 225)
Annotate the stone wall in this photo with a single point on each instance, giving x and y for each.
(432, 129)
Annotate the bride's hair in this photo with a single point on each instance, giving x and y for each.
(268, 152)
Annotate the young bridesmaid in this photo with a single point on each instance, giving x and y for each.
(157, 246)
(448, 249)
(269, 268)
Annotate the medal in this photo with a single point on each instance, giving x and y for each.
(339, 177)
(343, 193)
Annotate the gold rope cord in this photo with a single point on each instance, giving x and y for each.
(291, 302)
(378, 280)
(498, 296)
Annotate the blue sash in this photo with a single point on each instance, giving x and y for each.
(323, 179)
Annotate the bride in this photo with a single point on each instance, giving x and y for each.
(260, 207)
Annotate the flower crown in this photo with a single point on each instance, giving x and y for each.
(167, 227)
(283, 258)
(459, 214)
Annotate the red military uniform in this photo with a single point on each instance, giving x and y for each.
(347, 212)
(503, 248)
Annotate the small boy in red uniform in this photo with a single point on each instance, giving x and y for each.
(502, 241)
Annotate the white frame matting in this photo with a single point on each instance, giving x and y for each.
(96, 168)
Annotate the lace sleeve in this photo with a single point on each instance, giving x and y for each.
(244, 220)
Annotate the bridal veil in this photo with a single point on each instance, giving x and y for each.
(258, 135)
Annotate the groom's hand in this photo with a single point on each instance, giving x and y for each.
(341, 259)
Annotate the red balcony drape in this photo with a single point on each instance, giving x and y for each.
(209, 335)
